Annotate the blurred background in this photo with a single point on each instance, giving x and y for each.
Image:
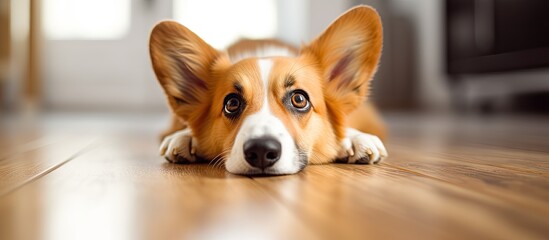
(453, 56)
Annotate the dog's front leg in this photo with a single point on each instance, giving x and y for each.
(179, 147)
(361, 148)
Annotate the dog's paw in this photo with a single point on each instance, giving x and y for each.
(179, 147)
(361, 148)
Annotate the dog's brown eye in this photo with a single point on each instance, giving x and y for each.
(232, 105)
(299, 100)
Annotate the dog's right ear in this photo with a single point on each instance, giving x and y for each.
(348, 52)
(181, 62)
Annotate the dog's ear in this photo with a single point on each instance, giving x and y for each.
(181, 62)
(348, 52)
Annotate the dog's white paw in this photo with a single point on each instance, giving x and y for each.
(361, 148)
(179, 147)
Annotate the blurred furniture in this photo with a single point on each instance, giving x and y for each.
(496, 50)
(493, 36)
(4, 45)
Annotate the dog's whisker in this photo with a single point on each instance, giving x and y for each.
(213, 162)
(218, 160)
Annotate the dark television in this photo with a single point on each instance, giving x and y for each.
(485, 36)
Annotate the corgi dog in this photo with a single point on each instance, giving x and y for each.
(264, 107)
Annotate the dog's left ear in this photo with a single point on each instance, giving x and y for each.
(348, 53)
(181, 61)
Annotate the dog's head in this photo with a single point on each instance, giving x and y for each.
(272, 114)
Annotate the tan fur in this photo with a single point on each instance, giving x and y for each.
(335, 70)
(367, 119)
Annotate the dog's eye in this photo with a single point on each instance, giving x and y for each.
(232, 105)
(299, 100)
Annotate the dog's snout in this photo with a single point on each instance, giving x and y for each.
(262, 152)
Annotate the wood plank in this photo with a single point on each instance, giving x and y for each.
(135, 193)
(530, 191)
(125, 191)
(329, 204)
(495, 155)
(441, 182)
(371, 201)
(17, 144)
(36, 159)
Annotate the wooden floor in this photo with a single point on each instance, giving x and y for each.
(89, 177)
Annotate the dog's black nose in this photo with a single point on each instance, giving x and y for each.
(262, 152)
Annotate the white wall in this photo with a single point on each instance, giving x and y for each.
(300, 21)
(105, 74)
(324, 12)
